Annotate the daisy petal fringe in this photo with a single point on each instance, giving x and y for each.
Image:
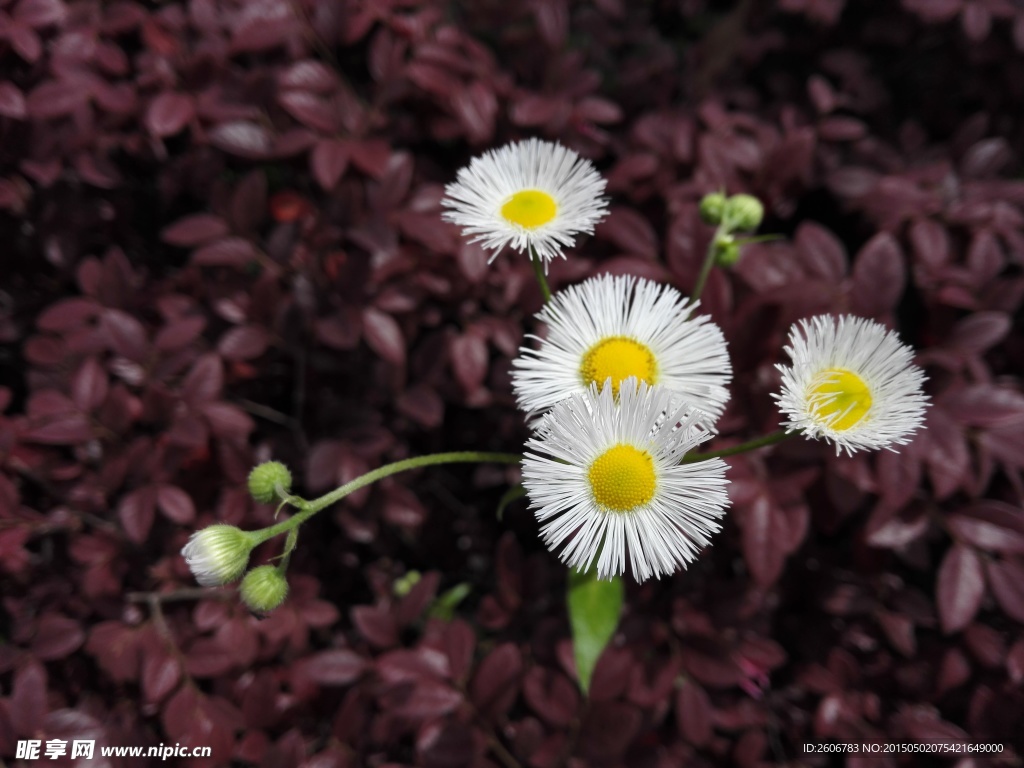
(605, 481)
(622, 326)
(852, 383)
(531, 193)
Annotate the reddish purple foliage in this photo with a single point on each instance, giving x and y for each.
(223, 244)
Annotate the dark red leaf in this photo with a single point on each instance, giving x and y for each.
(209, 658)
(310, 110)
(116, 649)
(960, 588)
(985, 158)
(533, 110)
(985, 256)
(607, 730)
(821, 252)
(248, 206)
(764, 534)
(985, 405)
(136, 512)
(371, 156)
(1006, 580)
(179, 333)
(175, 504)
(228, 252)
(160, 674)
(476, 108)
(376, 625)
(978, 332)
(89, 385)
(924, 727)
(125, 334)
(228, 422)
(985, 535)
(630, 231)
(242, 138)
(195, 230)
(878, 276)
(65, 429)
(694, 714)
(56, 98)
(245, 342)
(496, 682)
(459, 643)
(40, 13)
(12, 101)
(205, 381)
(383, 335)
(28, 698)
(309, 75)
(168, 113)
(334, 667)
(469, 361)
(930, 243)
(56, 637)
(26, 42)
(328, 161)
(67, 314)
(551, 695)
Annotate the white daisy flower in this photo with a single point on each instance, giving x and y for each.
(218, 554)
(621, 327)
(852, 382)
(609, 483)
(531, 194)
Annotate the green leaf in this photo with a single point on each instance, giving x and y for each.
(514, 493)
(445, 605)
(594, 609)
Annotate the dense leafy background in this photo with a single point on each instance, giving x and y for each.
(221, 243)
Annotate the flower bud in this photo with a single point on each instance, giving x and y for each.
(743, 213)
(403, 585)
(265, 479)
(727, 252)
(217, 554)
(264, 589)
(712, 207)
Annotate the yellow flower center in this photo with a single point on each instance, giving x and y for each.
(838, 397)
(622, 478)
(530, 208)
(618, 358)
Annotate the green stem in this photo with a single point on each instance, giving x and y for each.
(538, 271)
(705, 269)
(750, 445)
(289, 545)
(309, 508)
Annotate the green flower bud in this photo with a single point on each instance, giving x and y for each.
(404, 584)
(743, 213)
(727, 252)
(264, 589)
(218, 554)
(712, 207)
(265, 479)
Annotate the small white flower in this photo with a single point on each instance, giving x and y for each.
(605, 479)
(618, 327)
(852, 382)
(529, 194)
(218, 554)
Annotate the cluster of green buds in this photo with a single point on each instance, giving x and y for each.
(219, 554)
(736, 213)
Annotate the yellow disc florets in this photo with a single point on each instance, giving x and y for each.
(530, 208)
(839, 397)
(622, 478)
(618, 358)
